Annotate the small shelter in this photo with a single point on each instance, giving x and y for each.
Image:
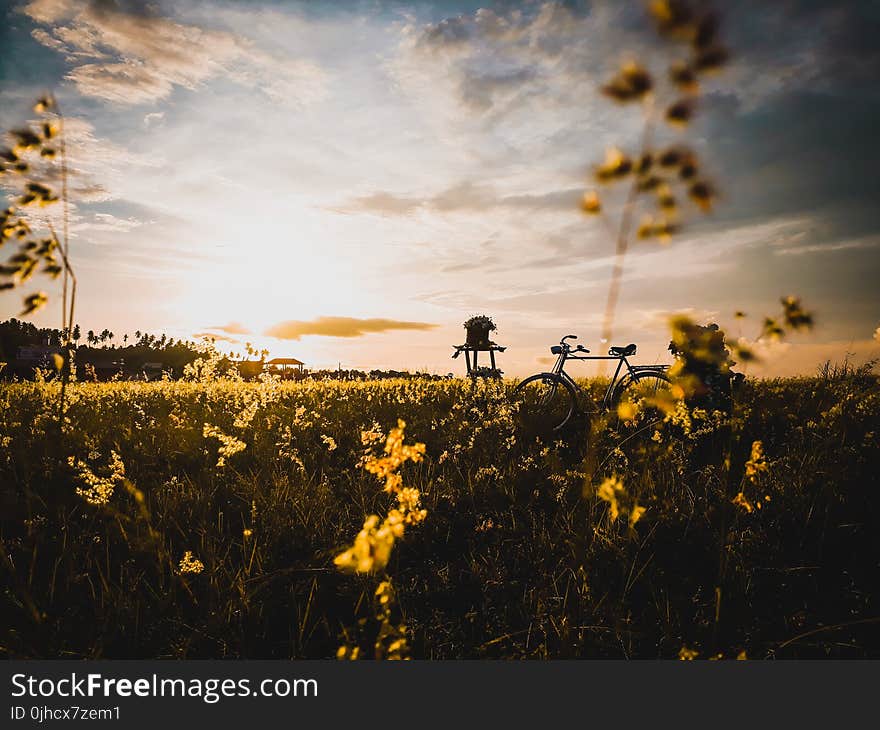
(286, 363)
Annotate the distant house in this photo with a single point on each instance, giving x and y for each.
(286, 363)
(36, 356)
(152, 370)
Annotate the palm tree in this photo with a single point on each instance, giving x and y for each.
(91, 339)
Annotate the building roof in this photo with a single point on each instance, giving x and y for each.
(285, 361)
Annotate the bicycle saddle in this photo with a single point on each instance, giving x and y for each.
(623, 351)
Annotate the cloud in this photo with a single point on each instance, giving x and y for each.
(232, 328)
(124, 83)
(137, 56)
(47, 11)
(340, 327)
(108, 222)
(382, 203)
(856, 243)
(515, 60)
(215, 336)
(96, 166)
(465, 196)
(659, 318)
(154, 119)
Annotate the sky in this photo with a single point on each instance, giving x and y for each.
(347, 182)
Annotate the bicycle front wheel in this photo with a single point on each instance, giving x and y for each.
(544, 403)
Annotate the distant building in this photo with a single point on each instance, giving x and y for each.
(286, 363)
(36, 356)
(151, 370)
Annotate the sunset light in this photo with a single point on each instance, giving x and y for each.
(543, 331)
(424, 163)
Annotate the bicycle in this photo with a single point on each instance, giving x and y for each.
(557, 397)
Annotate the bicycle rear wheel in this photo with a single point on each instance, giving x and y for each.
(544, 403)
(643, 391)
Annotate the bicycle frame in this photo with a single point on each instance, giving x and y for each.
(631, 371)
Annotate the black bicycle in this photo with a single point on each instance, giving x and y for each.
(555, 397)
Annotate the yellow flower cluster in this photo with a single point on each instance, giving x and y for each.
(229, 445)
(396, 454)
(612, 491)
(740, 500)
(757, 463)
(372, 546)
(348, 653)
(190, 564)
(391, 642)
(98, 490)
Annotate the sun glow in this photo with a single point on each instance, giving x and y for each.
(281, 268)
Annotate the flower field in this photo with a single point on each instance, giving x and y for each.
(217, 518)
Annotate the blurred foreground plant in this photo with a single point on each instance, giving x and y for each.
(702, 379)
(660, 177)
(28, 169)
(372, 546)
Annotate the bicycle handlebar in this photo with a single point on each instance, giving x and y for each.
(569, 348)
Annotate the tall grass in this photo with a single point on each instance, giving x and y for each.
(519, 556)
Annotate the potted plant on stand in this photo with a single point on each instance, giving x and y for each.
(478, 328)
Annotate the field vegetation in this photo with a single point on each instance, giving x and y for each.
(211, 517)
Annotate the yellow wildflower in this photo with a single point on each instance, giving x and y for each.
(349, 653)
(229, 445)
(372, 546)
(740, 501)
(757, 463)
(98, 490)
(190, 564)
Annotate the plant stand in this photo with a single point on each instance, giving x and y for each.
(473, 368)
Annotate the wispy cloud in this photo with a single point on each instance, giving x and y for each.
(232, 328)
(467, 196)
(128, 54)
(109, 223)
(845, 245)
(154, 119)
(216, 337)
(340, 327)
